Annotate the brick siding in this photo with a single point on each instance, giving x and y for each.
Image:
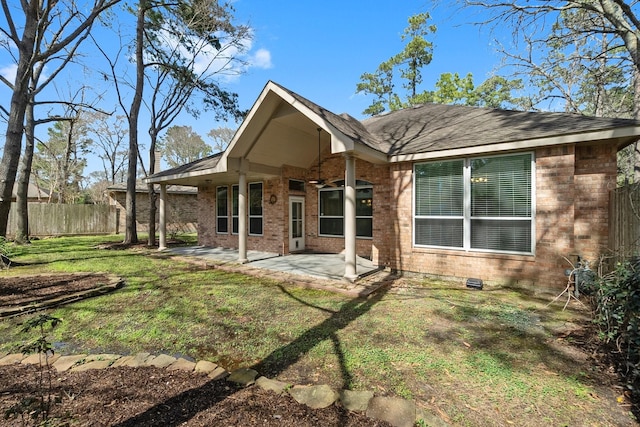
(182, 211)
(572, 185)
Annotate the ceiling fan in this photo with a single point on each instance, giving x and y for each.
(320, 183)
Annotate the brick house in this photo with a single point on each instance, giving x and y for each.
(453, 191)
(181, 207)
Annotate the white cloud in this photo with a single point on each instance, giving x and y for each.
(9, 72)
(261, 59)
(228, 63)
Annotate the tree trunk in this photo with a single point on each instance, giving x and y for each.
(15, 123)
(635, 154)
(24, 175)
(131, 233)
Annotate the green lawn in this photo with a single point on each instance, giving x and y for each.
(491, 357)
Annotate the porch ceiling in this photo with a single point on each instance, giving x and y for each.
(280, 136)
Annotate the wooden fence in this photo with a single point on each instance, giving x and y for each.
(47, 219)
(624, 222)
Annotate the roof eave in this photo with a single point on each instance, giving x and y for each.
(624, 136)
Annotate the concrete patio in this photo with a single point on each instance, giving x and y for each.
(315, 265)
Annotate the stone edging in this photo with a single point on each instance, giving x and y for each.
(397, 411)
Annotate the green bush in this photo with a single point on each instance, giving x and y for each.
(617, 315)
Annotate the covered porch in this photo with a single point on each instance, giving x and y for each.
(282, 140)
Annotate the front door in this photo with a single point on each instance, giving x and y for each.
(296, 224)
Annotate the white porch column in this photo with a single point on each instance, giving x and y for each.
(350, 272)
(242, 218)
(163, 217)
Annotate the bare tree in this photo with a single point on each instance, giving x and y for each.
(575, 47)
(188, 46)
(38, 19)
(179, 49)
(109, 136)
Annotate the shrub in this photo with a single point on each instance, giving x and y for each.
(617, 306)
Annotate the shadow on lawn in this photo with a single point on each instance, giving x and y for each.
(183, 407)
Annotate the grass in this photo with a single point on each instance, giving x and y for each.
(488, 357)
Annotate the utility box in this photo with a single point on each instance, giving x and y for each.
(474, 283)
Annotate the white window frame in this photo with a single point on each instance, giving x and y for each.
(363, 185)
(235, 216)
(253, 216)
(467, 218)
(218, 216)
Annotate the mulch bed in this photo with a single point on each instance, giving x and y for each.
(158, 397)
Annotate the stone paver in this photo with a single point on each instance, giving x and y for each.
(243, 376)
(37, 358)
(122, 361)
(94, 364)
(65, 363)
(205, 366)
(182, 364)
(396, 411)
(102, 356)
(134, 361)
(429, 419)
(316, 396)
(218, 373)
(271, 385)
(11, 359)
(355, 400)
(161, 361)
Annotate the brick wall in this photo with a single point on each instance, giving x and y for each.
(182, 211)
(274, 215)
(571, 218)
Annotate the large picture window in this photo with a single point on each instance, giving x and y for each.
(222, 210)
(477, 204)
(332, 210)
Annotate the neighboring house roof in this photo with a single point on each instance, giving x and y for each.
(33, 192)
(284, 128)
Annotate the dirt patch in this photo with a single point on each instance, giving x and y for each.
(159, 397)
(24, 294)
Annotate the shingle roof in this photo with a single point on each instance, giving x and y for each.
(435, 127)
(205, 163)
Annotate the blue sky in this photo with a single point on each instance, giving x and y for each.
(317, 49)
(320, 49)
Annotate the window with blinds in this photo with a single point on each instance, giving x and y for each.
(479, 203)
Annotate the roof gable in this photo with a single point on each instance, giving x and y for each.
(284, 128)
